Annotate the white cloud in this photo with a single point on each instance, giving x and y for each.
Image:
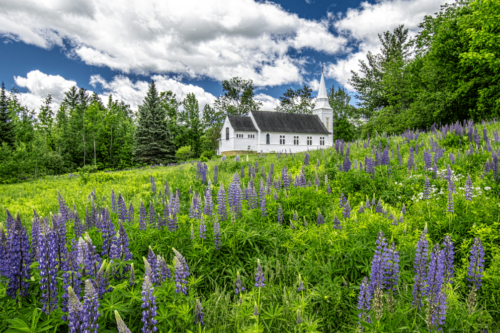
(363, 25)
(123, 89)
(40, 85)
(314, 85)
(215, 38)
(268, 102)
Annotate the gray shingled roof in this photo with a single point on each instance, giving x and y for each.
(242, 123)
(269, 121)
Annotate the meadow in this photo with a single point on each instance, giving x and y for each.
(384, 234)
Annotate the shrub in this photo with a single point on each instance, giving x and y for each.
(184, 153)
(208, 154)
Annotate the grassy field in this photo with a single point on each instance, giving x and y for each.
(332, 258)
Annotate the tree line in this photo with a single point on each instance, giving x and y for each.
(449, 72)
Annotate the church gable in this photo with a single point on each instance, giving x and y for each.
(242, 124)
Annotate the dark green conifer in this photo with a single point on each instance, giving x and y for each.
(7, 129)
(153, 142)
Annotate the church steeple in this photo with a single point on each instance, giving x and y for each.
(322, 98)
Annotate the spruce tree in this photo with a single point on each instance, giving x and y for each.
(153, 142)
(7, 129)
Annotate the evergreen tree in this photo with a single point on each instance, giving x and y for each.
(7, 126)
(153, 142)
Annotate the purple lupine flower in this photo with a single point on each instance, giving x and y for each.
(242, 172)
(163, 269)
(262, 194)
(148, 306)
(216, 233)
(435, 272)
(306, 159)
(122, 207)
(199, 315)
(347, 210)
(291, 225)
(379, 208)
(468, 189)
(450, 208)
(259, 276)
(316, 180)
(346, 164)
(299, 319)
(47, 249)
(18, 259)
(153, 263)
(361, 209)
(153, 185)
(181, 272)
(419, 269)
(280, 214)
(239, 285)
(4, 259)
(403, 209)
(286, 180)
(255, 309)
(301, 284)
(113, 201)
(336, 223)
(364, 301)
(392, 268)
(35, 235)
(75, 312)
(328, 189)
(203, 229)
(142, 217)
(320, 220)
(341, 200)
(449, 257)
(208, 209)
(379, 264)
(71, 279)
(131, 213)
(411, 159)
(476, 264)
(427, 188)
(437, 312)
(122, 328)
(90, 308)
(152, 216)
(216, 174)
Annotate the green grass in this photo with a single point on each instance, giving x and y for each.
(332, 262)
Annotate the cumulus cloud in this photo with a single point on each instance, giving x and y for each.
(214, 38)
(363, 24)
(40, 85)
(269, 103)
(123, 89)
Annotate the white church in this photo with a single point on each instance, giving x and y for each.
(270, 131)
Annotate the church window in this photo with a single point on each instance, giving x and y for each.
(251, 136)
(322, 141)
(309, 140)
(296, 140)
(282, 139)
(327, 123)
(227, 133)
(268, 139)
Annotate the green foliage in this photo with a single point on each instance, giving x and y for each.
(85, 172)
(208, 154)
(184, 153)
(296, 101)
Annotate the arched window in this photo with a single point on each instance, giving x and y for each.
(268, 139)
(227, 133)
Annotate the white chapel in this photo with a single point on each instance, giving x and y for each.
(270, 131)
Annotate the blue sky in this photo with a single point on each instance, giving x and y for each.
(117, 46)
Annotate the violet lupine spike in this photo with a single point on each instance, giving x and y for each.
(199, 315)
(76, 314)
(476, 264)
(152, 216)
(301, 284)
(259, 276)
(203, 229)
(18, 259)
(239, 285)
(142, 217)
(364, 301)
(47, 247)
(450, 207)
(152, 260)
(122, 214)
(435, 272)
(216, 174)
(90, 308)
(347, 210)
(262, 194)
(113, 201)
(216, 233)
(392, 268)
(336, 223)
(438, 312)
(427, 188)
(163, 269)
(320, 220)
(468, 189)
(280, 214)
(148, 306)
(449, 256)
(379, 264)
(419, 270)
(221, 203)
(181, 272)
